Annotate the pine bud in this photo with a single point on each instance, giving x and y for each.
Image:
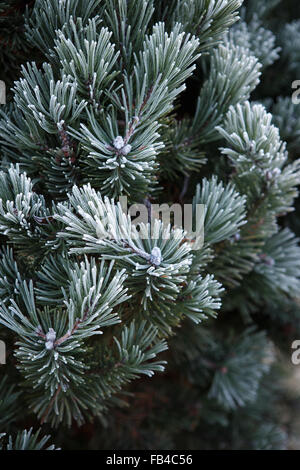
(268, 175)
(272, 174)
(51, 335)
(49, 345)
(276, 172)
(118, 142)
(126, 149)
(267, 260)
(156, 257)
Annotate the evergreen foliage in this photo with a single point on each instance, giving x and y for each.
(155, 341)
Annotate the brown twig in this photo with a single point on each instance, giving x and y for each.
(50, 404)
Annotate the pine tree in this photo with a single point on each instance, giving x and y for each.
(137, 330)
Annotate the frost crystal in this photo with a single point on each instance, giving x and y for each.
(51, 335)
(119, 142)
(126, 149)
(49, 345)
(156, 257)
